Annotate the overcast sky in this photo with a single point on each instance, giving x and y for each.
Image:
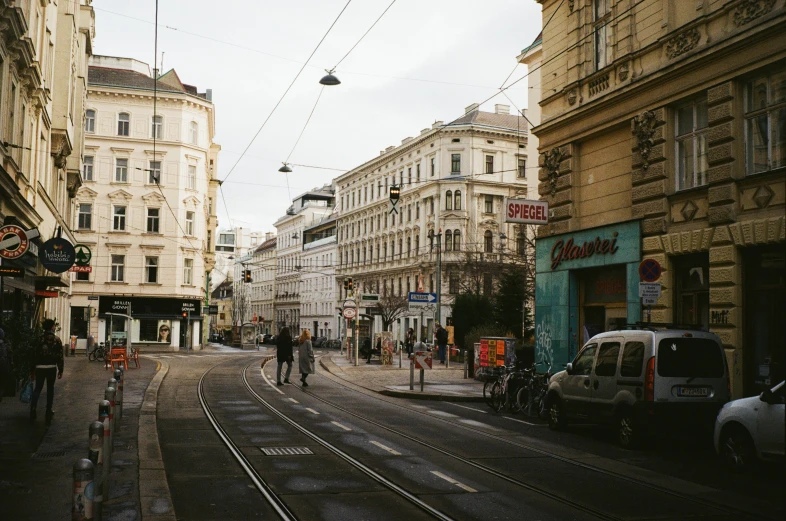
(424, 61)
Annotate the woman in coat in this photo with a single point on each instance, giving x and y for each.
(305, 355)
(284, 354)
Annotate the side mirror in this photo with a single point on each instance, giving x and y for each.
(767, 397)
(569, 368)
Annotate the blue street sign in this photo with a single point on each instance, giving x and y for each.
(422, 298)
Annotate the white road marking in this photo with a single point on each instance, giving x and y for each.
(342, 426)
(442, 413)
(475, 423)
(269, 382)
(453, 481)
(470, 408)
(526, 423)
(312, 411)
(383, 447)
(293, 400)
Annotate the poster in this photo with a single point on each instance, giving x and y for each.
(385, 338)
(484, 352)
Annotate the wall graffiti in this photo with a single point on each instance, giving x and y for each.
(543, 336)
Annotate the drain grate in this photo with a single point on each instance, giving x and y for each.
(47, 455)
(286, 451)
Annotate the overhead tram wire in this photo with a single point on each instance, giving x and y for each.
(286, 162)
(361, 38)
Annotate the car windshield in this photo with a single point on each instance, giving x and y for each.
(690, 358)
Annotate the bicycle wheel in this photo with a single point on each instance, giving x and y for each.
(487, 389)
(497, 397)
(91, 356)
(522, 398)
(100, 355)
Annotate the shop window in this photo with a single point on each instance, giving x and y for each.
(765, 123)
(152, 330)
(691, 144)
(607, 359)
(692, 305)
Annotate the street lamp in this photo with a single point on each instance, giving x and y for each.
(286, 169)
(329, 79)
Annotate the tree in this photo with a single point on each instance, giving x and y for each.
(470, 310)
(391, 307)
(510, 302)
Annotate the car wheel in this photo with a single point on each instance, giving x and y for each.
(556, 414)
(627, 430)
(736, 448)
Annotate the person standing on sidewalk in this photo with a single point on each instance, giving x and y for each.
(284, 354)
(305, 354)
(442, 341)
(47, 362)
(410, 341)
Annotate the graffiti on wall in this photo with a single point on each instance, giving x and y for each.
(543, 338)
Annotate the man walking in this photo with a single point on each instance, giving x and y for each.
(47, 362)
(442, 341)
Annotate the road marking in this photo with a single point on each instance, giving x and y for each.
(269, 382)
(442, 413)
(342, 426)
(293, 400)
(470, 408)
(526, 423)
(312, 411)
(453, 481)
(383, 447)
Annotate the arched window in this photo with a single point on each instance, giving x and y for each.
(457, 200)
(409, 246)
(448, 200)
(417, 244)
(123, 123)
(488, 245)
(401, 248)
(521, 244)
(456, 240)
(448, 241)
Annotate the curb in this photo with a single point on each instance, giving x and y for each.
(154, 495)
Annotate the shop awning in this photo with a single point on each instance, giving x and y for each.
(43, 282)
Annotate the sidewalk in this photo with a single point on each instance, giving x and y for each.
(440, 383)
(36, 462)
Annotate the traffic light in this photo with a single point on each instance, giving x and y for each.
(346, 284)
(246, 275)
(349, 283)
(395, 193)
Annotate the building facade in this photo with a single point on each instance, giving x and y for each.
(263, 276)
(231, 244)
(662, 137)
(453, 180)
(145, 208)
(319, 294)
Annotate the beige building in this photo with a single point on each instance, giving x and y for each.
(663, 133)
(263, 277)
(145, 208)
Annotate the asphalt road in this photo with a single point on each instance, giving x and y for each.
(375, 457)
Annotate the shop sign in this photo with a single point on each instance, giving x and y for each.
(8, 271)
(14, 241)
(568, 250)
(149, 306)
(45, 293)
(80, 269)
(82, 255)
(212, 309)
(57, 255)
(525, 211)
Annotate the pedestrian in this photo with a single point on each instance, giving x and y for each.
(442, 341)
(367, 349)
(90, 343)
(410, 341)
(305, 354)
(6, 364)
(284, 354)
(47, 362)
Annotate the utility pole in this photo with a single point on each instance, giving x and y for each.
(438, 313)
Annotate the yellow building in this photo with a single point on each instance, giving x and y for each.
(664, 122)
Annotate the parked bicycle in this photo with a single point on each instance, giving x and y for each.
(506, 388)
(99, 353)
(531, 398)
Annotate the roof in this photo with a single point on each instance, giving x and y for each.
(493, 120)
(123, 78)
(538, 41)
(267, 245)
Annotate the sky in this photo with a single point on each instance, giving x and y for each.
(424, 61)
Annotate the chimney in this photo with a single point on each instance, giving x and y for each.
(406, 140)
(437, 124)
(501, 109)
(209, 94)
(471, 108)
(269, 235)
(425, 131)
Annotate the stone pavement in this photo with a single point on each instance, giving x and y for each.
(440, 383)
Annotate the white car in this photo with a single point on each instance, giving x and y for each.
(752, 428)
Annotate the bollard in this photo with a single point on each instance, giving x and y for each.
(109, 395)
(119, 376)
(399, 357)
(106, 454)
(411, 374)
(95, 453)
(464, 357)
(113, 384)
(422, 378)
(82, 506)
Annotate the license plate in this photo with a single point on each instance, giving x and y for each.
(693, 391)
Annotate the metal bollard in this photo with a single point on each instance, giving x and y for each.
(95, 454)
(399, 357)
(464, 357)
(411, 374)
(113, 384)
(82, 506)
(109, 395)
(119, 376)
(104, 409)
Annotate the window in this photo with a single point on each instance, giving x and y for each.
(188, 271)
(153, 216)
(582, 366)
(83, 276)
(691, 143)
(488, 243)
(489, 164)
(85, 220)
(607, 359)
(448, 200)
(87, 169)
(192, 177)
(521, 244)
(90, 121)
(602, 15)
(156, 132)
(431, 202)
(151, 270)
(123, 122)
(399, 287)
(433, 166)
(119, 219)
(457, 200)
(692, 295)
(448, 240)
(489, 204)
(417, 172)
(765, 123)
(401, 248)
(409, 246)
(409, 176)
(154, 175)
(453, 283)
(690, 358)
(417, 244)
(522, 171)
(121, 170)
(455, 163)
(193, 133)
(118, 267)
(409, 213)
(632, 360)
(456, 240)
(190, 223)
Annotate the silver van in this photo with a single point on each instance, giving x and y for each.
(643, 380)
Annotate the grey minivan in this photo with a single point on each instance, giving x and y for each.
(643, 380)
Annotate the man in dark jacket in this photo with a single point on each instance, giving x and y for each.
(284, 354)
(47, 362)
(442, 342)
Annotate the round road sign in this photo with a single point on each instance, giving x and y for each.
(350, 312)
(13, 241)
(649, 270)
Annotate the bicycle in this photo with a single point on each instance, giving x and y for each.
(99, 353)
(532, 397)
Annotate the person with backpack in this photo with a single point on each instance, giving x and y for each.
(47, 362)
(442, 341)
(284, 355)
(6, 364)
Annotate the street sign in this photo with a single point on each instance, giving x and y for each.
(369, 298)
(419, 300)
(649, 289)
(350, 303)
(350, 312)
(92, 297)
(14, 241)
(526, 211)
(423, 359)
(373, 311)
(649, 270)
(8, 271)
(45, 293)
(212, 309)
(649, 301)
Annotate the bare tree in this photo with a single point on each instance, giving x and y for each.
(391, 307)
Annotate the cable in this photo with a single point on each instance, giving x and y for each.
(361, 38)
(286, 174)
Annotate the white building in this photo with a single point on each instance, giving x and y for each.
(453, 180)
(532, 57)
(145, 207)
(231, 244)
(263, 276)
(306, 210)
(319, 292)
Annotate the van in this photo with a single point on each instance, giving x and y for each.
(642, 380)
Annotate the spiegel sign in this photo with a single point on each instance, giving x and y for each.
(525, 211)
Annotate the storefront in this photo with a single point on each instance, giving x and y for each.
(586, 282)
(170, 323)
